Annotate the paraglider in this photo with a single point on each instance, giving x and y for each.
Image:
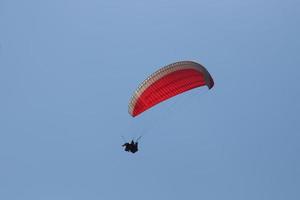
(164, 84)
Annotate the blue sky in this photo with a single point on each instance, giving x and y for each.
(68, 69)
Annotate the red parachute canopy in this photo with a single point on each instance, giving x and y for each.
(167, 82)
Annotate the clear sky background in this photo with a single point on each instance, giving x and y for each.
(68, 69)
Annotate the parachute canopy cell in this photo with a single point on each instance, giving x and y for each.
(167, 82)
